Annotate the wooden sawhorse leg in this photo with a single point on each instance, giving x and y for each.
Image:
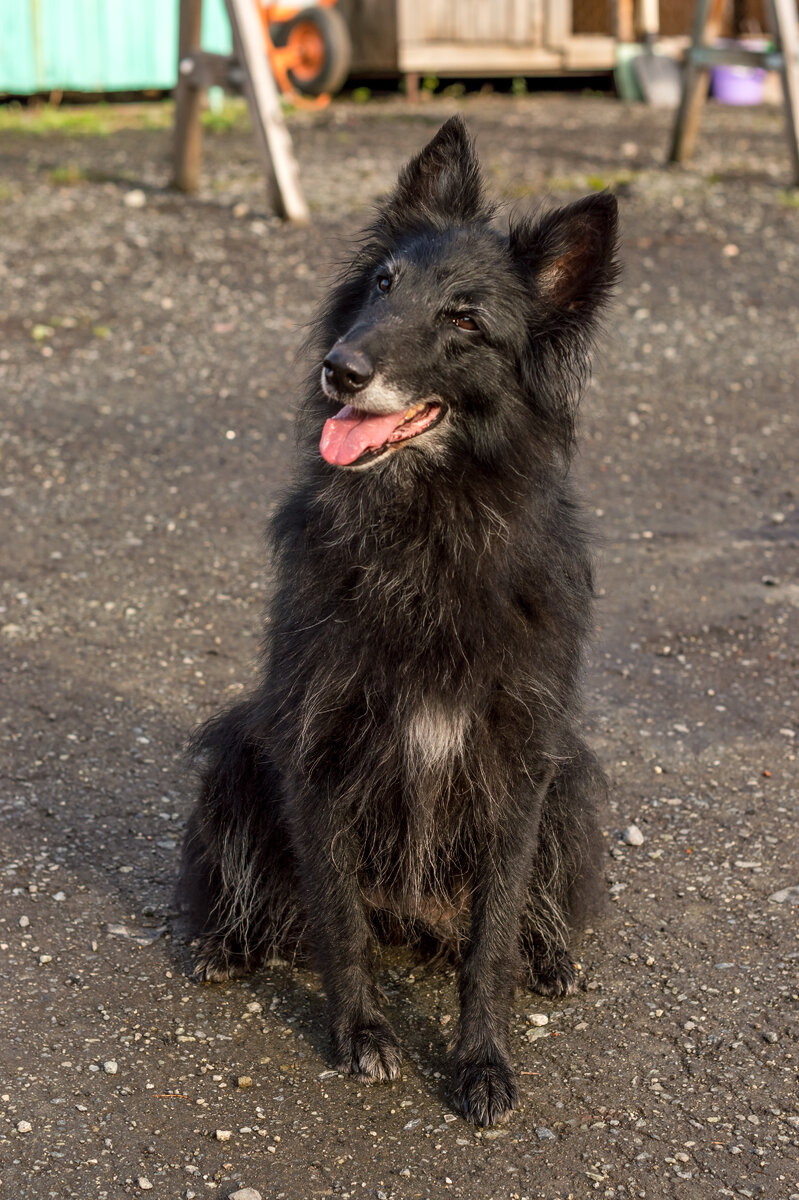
(707, 23)
(784, 23)
(702, 55)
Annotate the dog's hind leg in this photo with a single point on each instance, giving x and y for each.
(566, 882)
(237, 884)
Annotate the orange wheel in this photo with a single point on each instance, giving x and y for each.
(319, 50)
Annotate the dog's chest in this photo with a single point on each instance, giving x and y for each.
(434, 737)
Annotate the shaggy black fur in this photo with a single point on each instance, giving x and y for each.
(411, 757)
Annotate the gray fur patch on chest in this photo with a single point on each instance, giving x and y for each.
(435, 737)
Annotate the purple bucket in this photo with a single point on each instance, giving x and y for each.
(740, 85)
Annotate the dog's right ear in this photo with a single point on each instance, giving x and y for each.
(442, 182)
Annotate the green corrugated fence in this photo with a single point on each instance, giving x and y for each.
(97, 45)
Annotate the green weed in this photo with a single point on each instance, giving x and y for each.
(85, 120)
(67, 176)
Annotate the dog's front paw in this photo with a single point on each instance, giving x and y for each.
(369, 1051)
(485, 1093)
(554, 976)
(213, 963)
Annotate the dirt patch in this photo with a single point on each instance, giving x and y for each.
(147, 363)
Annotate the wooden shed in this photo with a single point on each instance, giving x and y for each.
(458, 38)
(487, 37)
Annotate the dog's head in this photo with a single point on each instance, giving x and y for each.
(447, 333)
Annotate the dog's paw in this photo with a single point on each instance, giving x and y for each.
(556, 976)
(370, 1051)
(485, 1093)
(214, 964)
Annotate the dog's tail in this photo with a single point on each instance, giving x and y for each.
(237, 885)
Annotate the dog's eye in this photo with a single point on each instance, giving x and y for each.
(384, 284)
(467, 323)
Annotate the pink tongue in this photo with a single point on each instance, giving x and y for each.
(346, 436)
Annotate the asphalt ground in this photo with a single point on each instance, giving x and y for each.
(148, 378)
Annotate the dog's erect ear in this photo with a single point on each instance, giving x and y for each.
(570, 253)
(442, 181)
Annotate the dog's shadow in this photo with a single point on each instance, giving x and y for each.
(291, 997)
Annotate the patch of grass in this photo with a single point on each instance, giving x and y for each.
(789, 197)
(519, 86)
(361, 95)
(85, 120)
(230, 115)
(598, 183)
(67, 176)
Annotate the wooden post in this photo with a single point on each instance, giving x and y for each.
(784, 23)
(271, 134)
(188, 101)
(622, 12)
(707, 24)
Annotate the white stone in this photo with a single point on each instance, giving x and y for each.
(633, 836)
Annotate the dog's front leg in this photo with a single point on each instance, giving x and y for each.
(484, 1087)
(363, 1041)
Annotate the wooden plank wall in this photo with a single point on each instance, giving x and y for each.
(513, 21)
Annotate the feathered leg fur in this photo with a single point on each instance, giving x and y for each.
(238, 880)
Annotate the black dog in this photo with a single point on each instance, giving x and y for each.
(410, 759)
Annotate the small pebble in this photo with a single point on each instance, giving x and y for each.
(244, 1081)
(134, 199)
(24, 1126)
(24, 922)
(144, 1183)
(223, 1135)
(771, 1038)
(545, 1135)
(110, 1067)
(538, 1019)
(789, 895)
(245, 1194)
(633, 836)
(532, 1035)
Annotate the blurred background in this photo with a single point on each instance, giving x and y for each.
(60, 48)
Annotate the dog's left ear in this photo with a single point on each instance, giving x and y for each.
(443, 181)
(570, 254)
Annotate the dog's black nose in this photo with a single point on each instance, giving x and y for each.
(348, 369)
